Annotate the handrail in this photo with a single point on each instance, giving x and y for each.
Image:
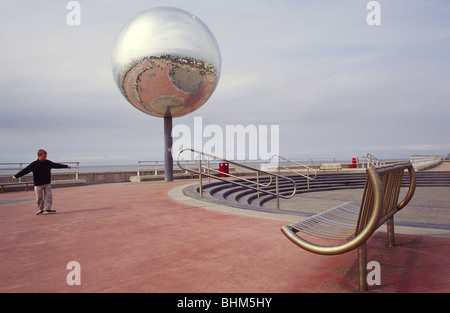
(209, 169)
(372, 160)
(201, 173)
(21, 166)
(140, 164)
(294, 171)
(154, 166)
(425, 161)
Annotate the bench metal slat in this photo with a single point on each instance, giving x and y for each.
(325, 226)
(327, 230)
(335, 214)
(334, 236)
(336, 223)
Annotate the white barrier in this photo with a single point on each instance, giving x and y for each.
(421, 162)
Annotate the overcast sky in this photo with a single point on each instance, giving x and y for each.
(336, 86)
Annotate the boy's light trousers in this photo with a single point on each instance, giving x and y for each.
(44, 197)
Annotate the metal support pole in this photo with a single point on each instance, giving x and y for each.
(362, 270)
(390, 230)
(168, 159)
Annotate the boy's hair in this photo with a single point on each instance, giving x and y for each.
(41, 152)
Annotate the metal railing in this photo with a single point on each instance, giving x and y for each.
(146, 164)
(13, 168)
(425, 161)
(9, 169)
(206, 171)
(157, 167)
(77, 167)
(371, 160)
(296, 164)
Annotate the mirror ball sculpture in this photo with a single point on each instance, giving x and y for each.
(166, 63)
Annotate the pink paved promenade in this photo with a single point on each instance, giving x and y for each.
(444, 166)
(135, 238)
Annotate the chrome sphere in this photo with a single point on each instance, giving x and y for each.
(166, 62)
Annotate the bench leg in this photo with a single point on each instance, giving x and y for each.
(390, 230)
(362, 267)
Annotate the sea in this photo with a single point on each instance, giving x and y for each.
(9, 169)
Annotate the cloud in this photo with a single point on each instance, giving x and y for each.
(334, 84)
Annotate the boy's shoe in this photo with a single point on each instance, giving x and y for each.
(49, 211)
(39, 212)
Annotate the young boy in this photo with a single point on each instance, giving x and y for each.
(42, 176)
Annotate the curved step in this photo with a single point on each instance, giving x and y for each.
(237, 196)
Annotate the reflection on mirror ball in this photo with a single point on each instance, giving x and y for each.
(166, 62)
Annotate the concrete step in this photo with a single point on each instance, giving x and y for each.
(226, 192)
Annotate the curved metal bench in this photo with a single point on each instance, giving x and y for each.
(354, 222)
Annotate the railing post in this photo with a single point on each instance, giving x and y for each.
(307, 179)
(257, 183)
(208, 172)
(77, 170)
(277, 186)
(200, 187)
(139, 169)
(277, 192)
(20, 168)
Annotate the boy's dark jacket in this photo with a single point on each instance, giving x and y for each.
(41, 171)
